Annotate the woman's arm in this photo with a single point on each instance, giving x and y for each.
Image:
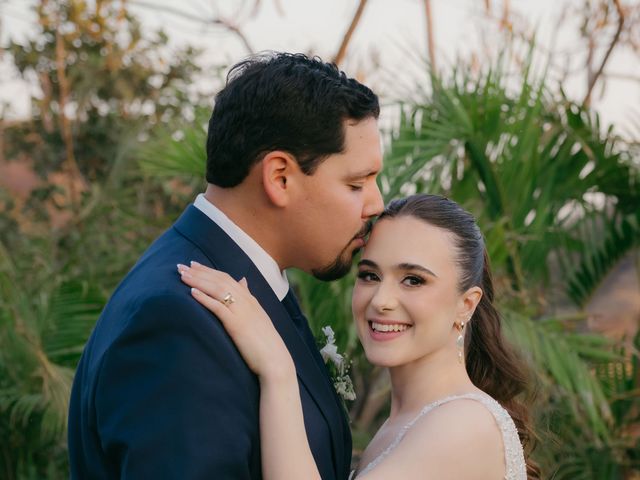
(285, 447)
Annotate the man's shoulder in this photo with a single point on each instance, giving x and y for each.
(154, 276)
(152, 297)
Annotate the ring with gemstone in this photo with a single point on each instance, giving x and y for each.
(228, 299)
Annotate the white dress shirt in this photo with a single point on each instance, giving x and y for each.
(267, 266)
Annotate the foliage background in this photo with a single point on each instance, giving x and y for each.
(113, 148)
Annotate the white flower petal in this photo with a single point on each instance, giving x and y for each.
(329, 333)
(331, 352)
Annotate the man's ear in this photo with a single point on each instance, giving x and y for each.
(278, 169)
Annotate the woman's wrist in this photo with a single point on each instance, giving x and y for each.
(278, 373)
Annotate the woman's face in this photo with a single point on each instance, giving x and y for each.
(406, 301)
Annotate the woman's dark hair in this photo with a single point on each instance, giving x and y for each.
(491, 364)
(282, 101)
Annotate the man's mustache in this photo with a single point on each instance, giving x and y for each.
(365, 230)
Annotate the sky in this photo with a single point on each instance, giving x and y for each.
(386, 49)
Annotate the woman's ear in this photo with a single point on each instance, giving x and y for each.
(468, 303)
(278, 170)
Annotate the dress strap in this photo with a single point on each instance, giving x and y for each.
(514, 459)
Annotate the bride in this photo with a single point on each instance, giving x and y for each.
(423, 308)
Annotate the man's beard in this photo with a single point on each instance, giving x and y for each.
(342, 264)
(336, 269)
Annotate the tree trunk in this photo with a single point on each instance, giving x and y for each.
(73, 171)
(430, 40)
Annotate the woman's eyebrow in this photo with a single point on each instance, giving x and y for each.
(400, 266)
(368, 263)
(415, 266)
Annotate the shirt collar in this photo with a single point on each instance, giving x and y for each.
(267, 266)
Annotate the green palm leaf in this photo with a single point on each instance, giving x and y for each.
(605, 241)
(177, 152)
(562, 361)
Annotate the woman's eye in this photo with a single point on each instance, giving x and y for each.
(367, 276)
(413, 280)
(356, 187)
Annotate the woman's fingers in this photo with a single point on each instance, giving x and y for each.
(241, 315)
(212, 282)
(209, 287)
(212, 304)
(203, 268)
(218, 286)
(228, 319)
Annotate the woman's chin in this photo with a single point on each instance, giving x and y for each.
(379, 359)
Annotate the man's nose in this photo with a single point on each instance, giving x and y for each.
(374, 204)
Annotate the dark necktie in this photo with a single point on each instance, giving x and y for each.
(299, 320)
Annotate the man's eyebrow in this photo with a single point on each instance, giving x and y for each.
(361, 174)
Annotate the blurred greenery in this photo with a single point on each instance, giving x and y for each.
(557, 197)
(65, 246)
(555, 193)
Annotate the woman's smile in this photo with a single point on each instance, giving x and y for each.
(383, 330)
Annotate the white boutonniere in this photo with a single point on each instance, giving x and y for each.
(338, 366)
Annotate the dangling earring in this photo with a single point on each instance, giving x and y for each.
(460, 341)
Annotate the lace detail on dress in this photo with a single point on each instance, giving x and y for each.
(515, 466)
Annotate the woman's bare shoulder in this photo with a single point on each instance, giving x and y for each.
(458, 439)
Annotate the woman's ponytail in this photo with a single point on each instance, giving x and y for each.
(494, 367)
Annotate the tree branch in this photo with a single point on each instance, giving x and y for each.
(622, 76)
(616, 37)
(195, 18)
(339, 57)
(2, 109)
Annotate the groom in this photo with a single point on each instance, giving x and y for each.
(161, 392)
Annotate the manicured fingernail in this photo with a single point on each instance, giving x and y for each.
(181, 267)
(194, 263)
(195, 291)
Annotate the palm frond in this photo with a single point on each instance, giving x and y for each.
(562, 363)
(42, 333)
(73, 310)
(605, 239)
(177, 152)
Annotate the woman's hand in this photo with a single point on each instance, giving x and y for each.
(244, 319)
(285, 447)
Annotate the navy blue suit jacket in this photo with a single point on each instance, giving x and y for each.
(161, 391)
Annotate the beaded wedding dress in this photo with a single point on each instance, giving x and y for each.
(515, 466)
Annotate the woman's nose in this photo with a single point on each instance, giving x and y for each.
(384, 299)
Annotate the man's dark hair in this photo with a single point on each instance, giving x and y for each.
(282, 101)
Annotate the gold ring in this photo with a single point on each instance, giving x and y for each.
(228, 299)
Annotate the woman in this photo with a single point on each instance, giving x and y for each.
(423, 308)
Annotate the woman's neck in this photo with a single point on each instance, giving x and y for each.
(426, 380)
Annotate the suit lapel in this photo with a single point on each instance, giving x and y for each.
(225, 255)
(345, 453)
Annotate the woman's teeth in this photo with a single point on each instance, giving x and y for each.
(385, 327)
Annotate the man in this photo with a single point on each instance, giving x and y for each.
(293, 151)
